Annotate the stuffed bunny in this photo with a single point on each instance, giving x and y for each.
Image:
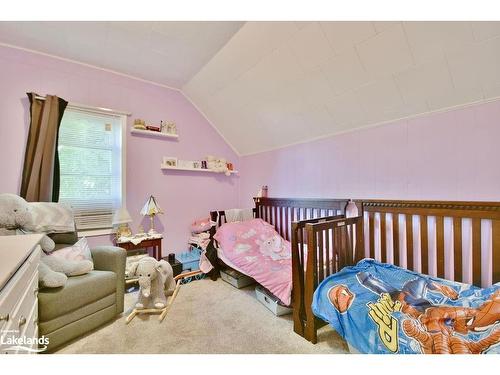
(15, 219)
(156, 281)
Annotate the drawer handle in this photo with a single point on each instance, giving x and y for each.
(35, 291)
(22, 321)
(5, 317)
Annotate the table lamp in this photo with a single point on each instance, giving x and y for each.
(151, 209)
(121, 218)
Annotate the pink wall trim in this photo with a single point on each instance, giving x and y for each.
(184, 196)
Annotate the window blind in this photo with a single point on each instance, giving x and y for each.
(90, 157)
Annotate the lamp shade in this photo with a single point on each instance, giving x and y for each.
(121, 216)
(151, 208)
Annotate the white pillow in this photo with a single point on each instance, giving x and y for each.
(51, 217)
(79, 251)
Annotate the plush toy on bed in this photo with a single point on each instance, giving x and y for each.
(16, 219)
(156, 281)
(273, 246)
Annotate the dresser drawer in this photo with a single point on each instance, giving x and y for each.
(22, 283)
(23, 310)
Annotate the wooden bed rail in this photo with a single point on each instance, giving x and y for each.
(281, 212)
(454, 240)
(332, 243)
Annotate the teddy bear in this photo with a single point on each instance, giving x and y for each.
(156, 281)
(218, 165)
(16, 219)
(273, 246)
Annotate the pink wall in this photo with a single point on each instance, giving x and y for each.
(183, 196)
(451, 155)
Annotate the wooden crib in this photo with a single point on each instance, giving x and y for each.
(458, 241)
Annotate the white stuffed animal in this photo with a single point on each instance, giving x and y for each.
(218, 165)
(16, 219)
(156, 281)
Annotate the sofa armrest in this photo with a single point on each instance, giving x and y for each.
(112, 258)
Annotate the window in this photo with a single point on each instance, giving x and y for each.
(91, 165)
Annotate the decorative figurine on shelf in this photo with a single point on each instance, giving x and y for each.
(139, 124)
(218, 165)
(121, 218)
(171, 128)
(151, 208)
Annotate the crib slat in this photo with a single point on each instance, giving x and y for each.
(371, 233)
(343, 247)
(321, 271)
(349, 244)
(424, 240)
(440, 245)
(275, 219)
(476, 251)
(327, 253)
(395, 237)
(495, 226)
(409, 241)
(287, 223)
(457, 248)
(383, 247)
(336, 240)
(359, 241)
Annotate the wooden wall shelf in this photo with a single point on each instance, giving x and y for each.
(154, 134)
(164, 167)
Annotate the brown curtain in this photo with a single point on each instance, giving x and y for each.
(40, 179)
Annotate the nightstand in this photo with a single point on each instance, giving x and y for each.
(154, 243)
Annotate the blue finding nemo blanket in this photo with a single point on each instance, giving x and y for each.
(381, 308)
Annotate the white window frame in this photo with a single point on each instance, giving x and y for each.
(122, 115)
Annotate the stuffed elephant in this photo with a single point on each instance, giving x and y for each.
(15, 219)
(156, 281)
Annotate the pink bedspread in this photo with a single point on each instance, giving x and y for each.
(261, 253)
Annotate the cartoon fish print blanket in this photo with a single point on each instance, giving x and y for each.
(381, 308)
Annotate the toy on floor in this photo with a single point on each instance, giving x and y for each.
(156, 281)
(163, 310)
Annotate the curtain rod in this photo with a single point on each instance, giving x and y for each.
(90, 108)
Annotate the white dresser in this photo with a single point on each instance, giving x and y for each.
(19, 258)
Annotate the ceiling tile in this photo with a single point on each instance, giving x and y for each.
(380, 97)
(344, 35)
(310, 46)
(424, 82)
(386, 53)
(485, 30)
(346, 110)
(344, 72)
(430, 40)
(252, 42)
(384, 25)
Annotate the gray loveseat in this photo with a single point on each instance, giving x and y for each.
(86, 301)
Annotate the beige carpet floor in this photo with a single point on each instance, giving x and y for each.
(206, 317)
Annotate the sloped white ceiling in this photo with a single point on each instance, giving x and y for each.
(279, 83)
(265, 85)
(169, 53)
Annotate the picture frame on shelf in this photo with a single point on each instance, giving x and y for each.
(170, 161)
(186, 164)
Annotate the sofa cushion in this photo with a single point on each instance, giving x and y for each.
(78, 291)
